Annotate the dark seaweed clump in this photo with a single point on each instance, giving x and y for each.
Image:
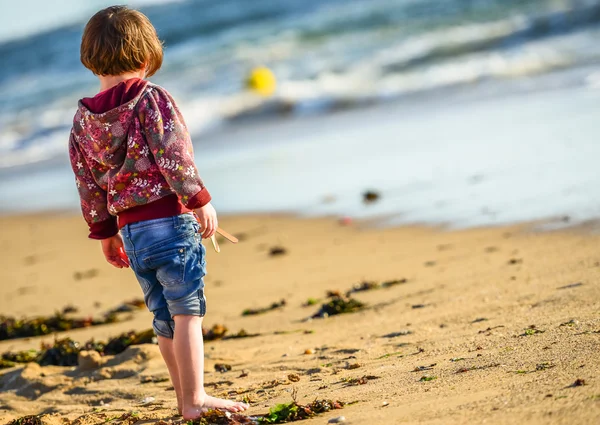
(214, 333)
(241, 334)
(255, 311)
(119, 344)
(279, 414)
(11, 327)
(220, 332)
(369, 285)
(27, 420)
(339, 305)
(217, 417)
(64, 351)
(292, 411)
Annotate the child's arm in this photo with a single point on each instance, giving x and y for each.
(171, 145)
(102, 225)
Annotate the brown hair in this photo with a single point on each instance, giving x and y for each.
(117, 40)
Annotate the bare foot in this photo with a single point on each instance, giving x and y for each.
(208, 403)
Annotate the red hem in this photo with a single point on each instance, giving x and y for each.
(199, 200)
(168, 206)
(104, 229)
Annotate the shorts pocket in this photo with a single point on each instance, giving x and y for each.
(169, 265)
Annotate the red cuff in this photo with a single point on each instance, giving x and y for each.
(104, 229)
(199, 200)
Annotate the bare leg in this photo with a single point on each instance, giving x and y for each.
(189, 353)
(168, 353)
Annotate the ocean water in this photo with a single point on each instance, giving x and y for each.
(467, 112)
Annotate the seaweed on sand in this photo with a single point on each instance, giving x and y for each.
(220, 332)
(64, 352)
(358, 381)
(363, 286)
(339, 305)
(214, 333)
(532, 330)
(278, 414)
(390, 283)
(25, 356)
(369, 286)
(241, 334)
(27, 420)
(222, 367)
(292, 411)
(11, 327)
(255, 311)
(126, 307)
(5, 364)
(10, 359)
(218, 417)
(119, 344)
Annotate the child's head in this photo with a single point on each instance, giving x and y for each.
(118, 40)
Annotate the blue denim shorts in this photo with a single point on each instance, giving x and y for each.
(168, 259)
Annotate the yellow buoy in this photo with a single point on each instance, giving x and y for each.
(262, 81)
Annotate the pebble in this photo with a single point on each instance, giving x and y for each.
(293, 377)
(309, 351)
(385, 403)
(147, 400)
(337, 420)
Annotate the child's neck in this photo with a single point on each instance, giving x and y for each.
(109, 81)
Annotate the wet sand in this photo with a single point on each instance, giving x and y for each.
(462, 318)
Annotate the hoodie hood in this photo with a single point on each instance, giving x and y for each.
(102, 123)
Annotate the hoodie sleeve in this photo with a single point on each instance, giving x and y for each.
(93, 198)
(171, 146)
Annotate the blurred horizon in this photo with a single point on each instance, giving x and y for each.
(17, 21)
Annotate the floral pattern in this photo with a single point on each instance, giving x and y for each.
(134, 154)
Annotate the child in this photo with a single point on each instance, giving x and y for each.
(134, 169)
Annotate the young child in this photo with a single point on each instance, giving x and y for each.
(134, 169)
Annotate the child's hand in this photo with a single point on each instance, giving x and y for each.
(114, 252)
(207, 217)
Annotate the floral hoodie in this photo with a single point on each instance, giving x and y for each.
(132, 155)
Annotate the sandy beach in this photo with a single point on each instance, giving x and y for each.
(493, 325)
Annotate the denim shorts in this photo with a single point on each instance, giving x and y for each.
(168, 259)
